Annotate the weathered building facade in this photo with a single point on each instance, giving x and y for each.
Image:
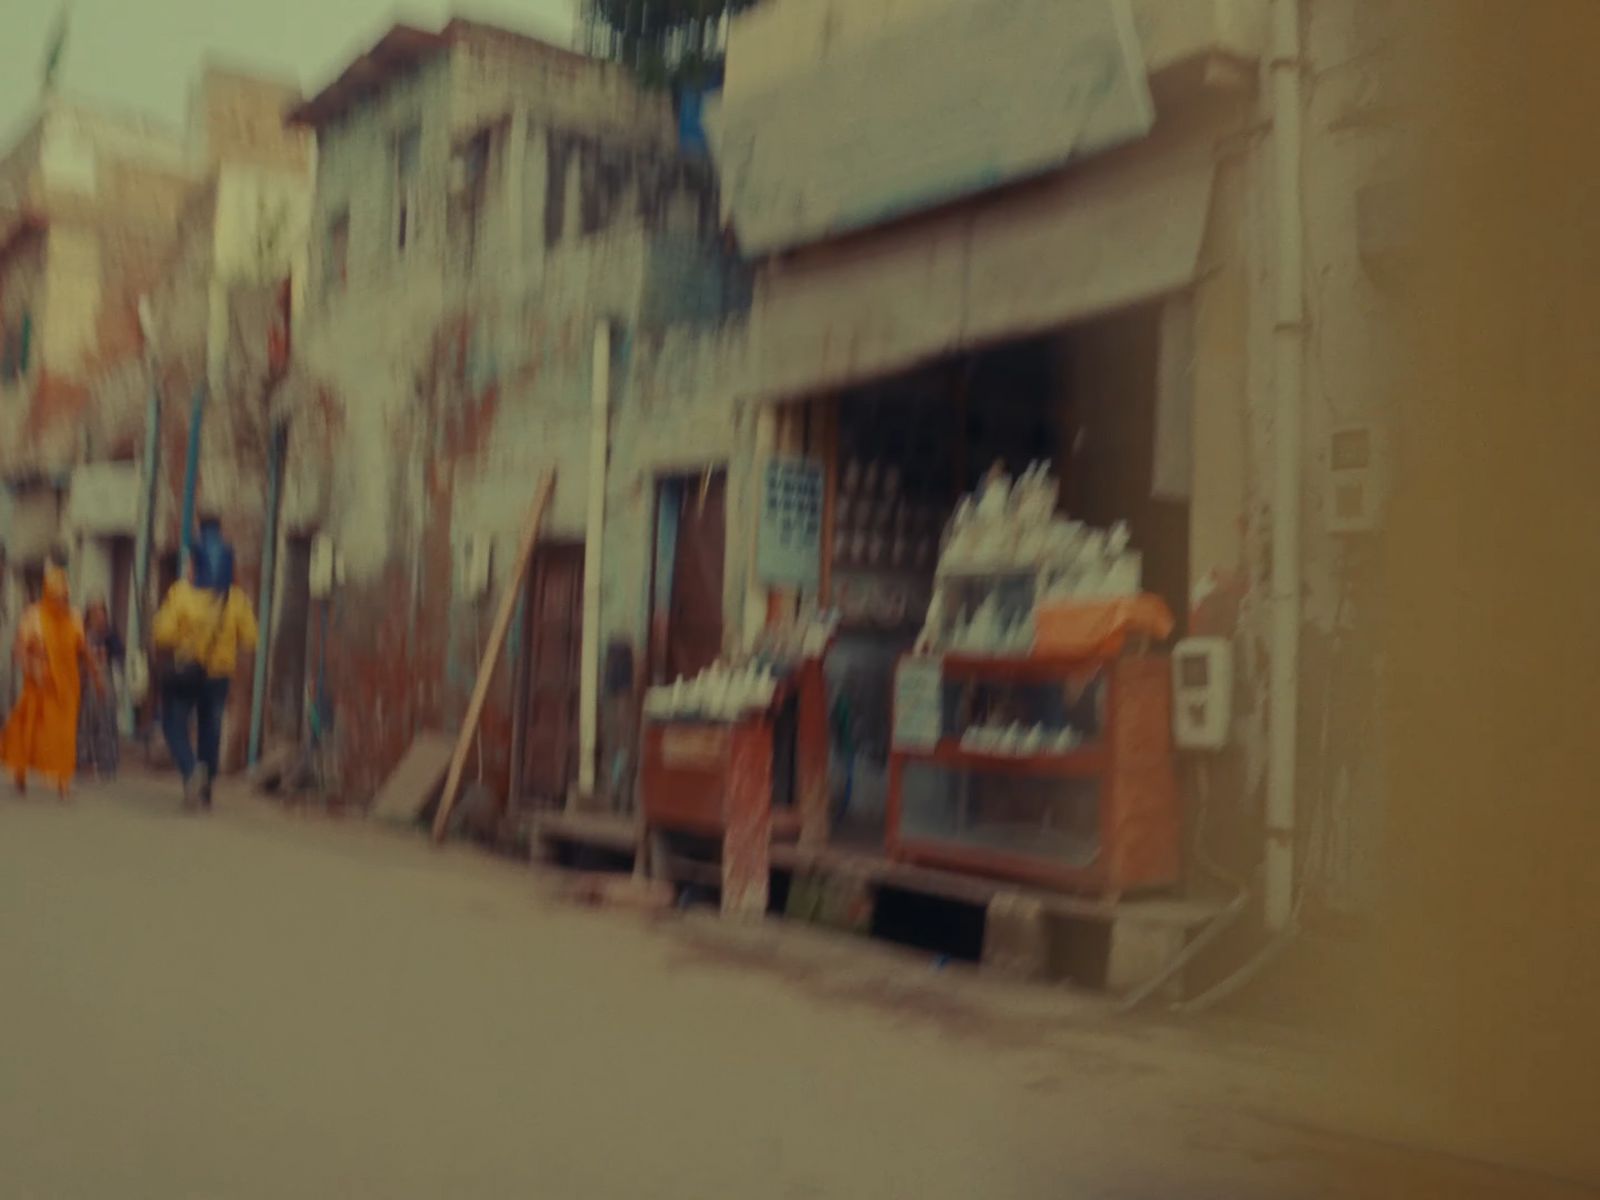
(102, 211)
(513, 265)
(1205, 291)
(89, 206)
(515, 270)
(133, 253)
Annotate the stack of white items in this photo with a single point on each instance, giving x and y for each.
(800, 640)
(1019, 740)
(718, 693)
(1012, 528)
(877, 527)
(991, 629)
(724, 692)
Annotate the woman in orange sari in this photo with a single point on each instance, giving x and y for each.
(42, 735)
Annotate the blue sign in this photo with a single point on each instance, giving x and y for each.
(789, 542)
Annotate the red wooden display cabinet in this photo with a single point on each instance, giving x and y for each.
(1138, 821)
(714, 779)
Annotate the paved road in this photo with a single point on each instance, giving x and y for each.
(251, 1005)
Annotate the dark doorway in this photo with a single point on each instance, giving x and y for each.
(555, 642)
(686, 590)
(287, 695)
(1108, 461)
(121, 583)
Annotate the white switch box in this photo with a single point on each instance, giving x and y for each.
(1202, 693)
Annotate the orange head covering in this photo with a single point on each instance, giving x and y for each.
(56, 591)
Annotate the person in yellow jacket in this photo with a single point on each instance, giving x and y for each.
(203, 627)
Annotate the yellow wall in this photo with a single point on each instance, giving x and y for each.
(1486, 1019)
(71, 298)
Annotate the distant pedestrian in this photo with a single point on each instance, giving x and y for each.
(201, 629)
(8, 615)
(51, 652)
(99, 740)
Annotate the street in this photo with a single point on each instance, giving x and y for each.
(257, 1005)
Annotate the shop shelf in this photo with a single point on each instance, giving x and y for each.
(1100, 820)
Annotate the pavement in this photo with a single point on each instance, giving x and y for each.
(257, 1004)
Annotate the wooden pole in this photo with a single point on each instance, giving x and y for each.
(593, 563)
(491, 655)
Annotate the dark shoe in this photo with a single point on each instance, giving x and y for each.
(195, 788)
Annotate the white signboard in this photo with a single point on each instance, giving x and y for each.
(962, 99)
(789, 544)
(918, 704)
(104, 498)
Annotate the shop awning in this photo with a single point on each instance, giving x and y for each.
(950, 101)
(1016, 264)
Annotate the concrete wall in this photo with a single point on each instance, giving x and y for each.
(1481, 1000)
(22, 295)
(237, 118)
(458, 381)
(1352, 360)
(355, 175)
(32, 517)
(110, 187)
(263, 222)
(682, 417)
(72, 298)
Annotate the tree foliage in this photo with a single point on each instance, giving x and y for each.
(669, 41)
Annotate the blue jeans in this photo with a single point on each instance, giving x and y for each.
(203, 705)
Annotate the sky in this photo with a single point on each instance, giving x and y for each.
(143, 55)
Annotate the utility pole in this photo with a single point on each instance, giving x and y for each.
(149, 465)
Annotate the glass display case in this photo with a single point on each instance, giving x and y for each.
(1047, 771)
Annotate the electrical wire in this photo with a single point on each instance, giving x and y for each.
(1202, 856)
(1316, 836)
(1217, 925)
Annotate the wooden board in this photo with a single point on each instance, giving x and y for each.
(491, 655)
(405, 795)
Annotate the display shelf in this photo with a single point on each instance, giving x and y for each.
(1099, 820)
(744, 782)
(1018, 668)
(1084, 761)
(977, 572)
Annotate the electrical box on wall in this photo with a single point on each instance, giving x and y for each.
(474, 566)
(325, 569)
(1202, 693)
(1355, 479)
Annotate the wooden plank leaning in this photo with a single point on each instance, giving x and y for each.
(491, 655)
